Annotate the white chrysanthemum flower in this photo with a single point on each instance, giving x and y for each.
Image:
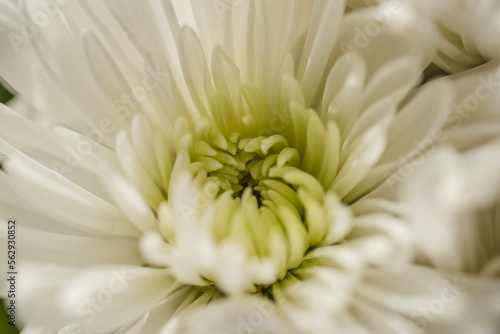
(238, 155)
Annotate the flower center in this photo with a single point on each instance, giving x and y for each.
(252, 194)
(245, 166)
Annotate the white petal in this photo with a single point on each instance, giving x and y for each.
(78, 251)
(122, 294)
(129, 200)
(65, 201)
(249, 314)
